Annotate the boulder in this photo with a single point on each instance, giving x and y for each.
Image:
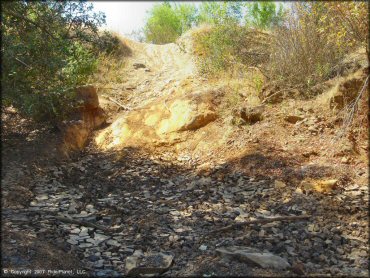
(246, 115)
(161, 121)
(293, 119)
(89, 112)
(322, 186)
(189, 112)
(75, 135)
(347, 89)
(94, 118)
(252, 115)
(87, 117)
(88, 96)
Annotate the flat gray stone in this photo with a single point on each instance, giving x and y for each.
(254, 256)
(84, 232)
(100, 237)
(73, 242)
(93, 258)
(75, 231)
(203, 247)
(113, 242)
(42, 197)
(149, 264)
(93, 241)
(99, 264)
(85, 245)
(74, 237)
(19, 217)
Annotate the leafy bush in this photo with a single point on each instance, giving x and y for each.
(307, 47)
(48, 50)
(345, 23)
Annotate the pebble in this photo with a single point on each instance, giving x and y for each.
(85, 245)
(99, 264)
(71, 241)
(75, 231)
(113, 242)
(203, 247)
(93, 258)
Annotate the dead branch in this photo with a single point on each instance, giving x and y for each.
(85, 223)
(119, 104)
(259, 221)
(23, 63)
(278, 92)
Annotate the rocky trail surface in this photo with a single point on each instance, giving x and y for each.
(144, 210)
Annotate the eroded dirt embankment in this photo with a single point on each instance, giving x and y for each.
(174, 166)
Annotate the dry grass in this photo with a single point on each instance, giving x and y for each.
(110, 71)
(223, 47)
(111, 66)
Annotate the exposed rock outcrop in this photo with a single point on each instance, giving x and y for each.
(161, 119)
(87, 117)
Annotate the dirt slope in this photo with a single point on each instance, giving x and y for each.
(165, 67)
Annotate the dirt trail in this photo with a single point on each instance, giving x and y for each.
(156, 202)
(160, 70)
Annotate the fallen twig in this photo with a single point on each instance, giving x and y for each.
(119, 104)
(260, 221)
(23, 63)
(85, 223)
(278, 92)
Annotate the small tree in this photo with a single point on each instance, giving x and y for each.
(264, 15)
(166, 22)
(163, 25)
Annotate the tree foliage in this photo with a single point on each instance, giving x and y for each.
(163, 25)
(264, 15)
(48, 50)
(188, 15)
(167, 21)
(220, 12)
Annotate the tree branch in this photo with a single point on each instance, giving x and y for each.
(259, 221)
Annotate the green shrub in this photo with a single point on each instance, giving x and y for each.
(48, 50)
